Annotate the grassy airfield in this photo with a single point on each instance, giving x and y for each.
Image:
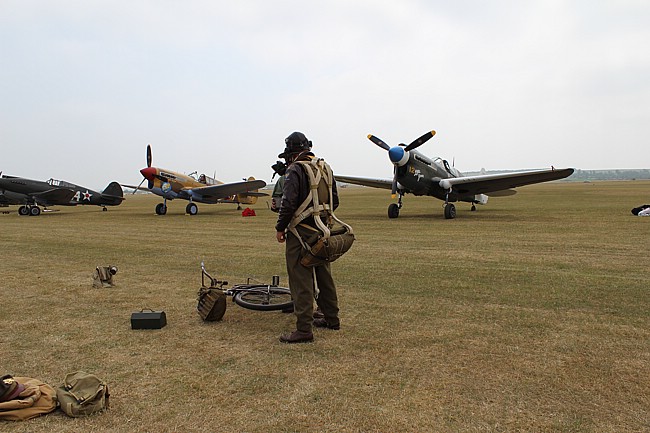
(532, 314)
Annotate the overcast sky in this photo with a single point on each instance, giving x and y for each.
(216, 86)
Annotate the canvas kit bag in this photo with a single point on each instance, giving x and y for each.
(82, 394)
(330, 239)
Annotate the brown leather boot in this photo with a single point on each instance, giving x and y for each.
(322, 323)
(297, 337)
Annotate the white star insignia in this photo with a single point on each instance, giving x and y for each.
(87, 195)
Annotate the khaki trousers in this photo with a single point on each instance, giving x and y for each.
(301, 284)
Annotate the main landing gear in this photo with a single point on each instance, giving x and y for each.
(29, 210)
(393, 208)
(450, 209)
(161, 208)
(190, 209)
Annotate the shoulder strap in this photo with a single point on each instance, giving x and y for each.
(317, 170)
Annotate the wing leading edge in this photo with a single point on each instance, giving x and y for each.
(490, 183)
(374, 183)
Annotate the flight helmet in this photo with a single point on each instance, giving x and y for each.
(295, 143)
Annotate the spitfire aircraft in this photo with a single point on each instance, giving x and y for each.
(203, 189)
(29, 194)
(417, 174)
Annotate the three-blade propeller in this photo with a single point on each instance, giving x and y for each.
(397, 153)
(149, 158)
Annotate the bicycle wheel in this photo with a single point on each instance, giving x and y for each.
(264, 298)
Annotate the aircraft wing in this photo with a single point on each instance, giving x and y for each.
(499, 183)
(6, 201)
(60, 196)
(213, 193)
(365, 181)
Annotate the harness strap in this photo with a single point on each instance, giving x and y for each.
(317, 170)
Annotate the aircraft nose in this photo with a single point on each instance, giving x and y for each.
(148, 173)
(398, 155)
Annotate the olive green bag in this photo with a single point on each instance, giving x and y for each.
(82, 394)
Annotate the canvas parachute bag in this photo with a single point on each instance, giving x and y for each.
(330, 239)
(82, 394)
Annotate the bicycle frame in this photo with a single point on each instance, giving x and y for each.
(254, 296)
(213, 282)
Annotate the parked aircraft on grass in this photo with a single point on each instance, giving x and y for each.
(417, 174)
(30, 194)
(203, 189)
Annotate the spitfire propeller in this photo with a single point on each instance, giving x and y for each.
(398, 155)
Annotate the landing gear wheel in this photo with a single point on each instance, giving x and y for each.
(104, 209)
(265, 299)
(191, 209)
(393, 210)
(23, 210)
(161, 209)
(450, 211)
(35, 211)
(473, 208)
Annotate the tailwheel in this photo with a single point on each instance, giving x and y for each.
(161, 209)
(191, 209)
(473, 208)
(393, 210)
(450, 211)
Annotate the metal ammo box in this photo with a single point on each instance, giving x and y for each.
(148, 319)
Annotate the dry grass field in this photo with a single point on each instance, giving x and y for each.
(532, 314)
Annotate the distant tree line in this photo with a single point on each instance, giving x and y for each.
(586, 175)
(628, 174)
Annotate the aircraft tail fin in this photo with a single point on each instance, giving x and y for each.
(113, 194)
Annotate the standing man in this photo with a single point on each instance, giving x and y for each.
(305, 282)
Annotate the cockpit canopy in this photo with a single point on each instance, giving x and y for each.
(60, 183)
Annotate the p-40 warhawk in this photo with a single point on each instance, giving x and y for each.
(203, 189)
(31, 193)
(417, 174)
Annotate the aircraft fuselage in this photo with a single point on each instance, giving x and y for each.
(172, 185)
(421, 175)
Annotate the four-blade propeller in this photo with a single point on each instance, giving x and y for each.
(399, 153)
